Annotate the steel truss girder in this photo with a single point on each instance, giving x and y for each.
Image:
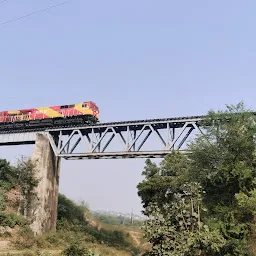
(126, 140)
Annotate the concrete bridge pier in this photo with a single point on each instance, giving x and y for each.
(48, 166)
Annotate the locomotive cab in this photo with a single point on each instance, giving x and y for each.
(94, 108)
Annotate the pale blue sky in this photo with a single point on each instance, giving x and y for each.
(136, 60)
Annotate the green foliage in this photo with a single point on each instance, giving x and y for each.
(74, 230)
(27, 176)
(2, 201)
(11, 177)
(116, 220)
(50, 240)
(8, 175)
(72, 217)
(179, 230)
(25, 238)
(223, 161)
(28, 180)
(160, 182)
(76, 250)
(11, 220)
(111, 237)
(247, 202)
(70, 212)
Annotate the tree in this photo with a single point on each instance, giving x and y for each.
(8, 175)
(28, 181)
(222, 160)
(8, 179)
(179, 230)
(161, 181)
(70, 212)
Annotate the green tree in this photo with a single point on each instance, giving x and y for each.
(179, 230)
(71, 213)
(8, 179)
(28, 181)
(161, 181)
(222, 160)
(8, 175)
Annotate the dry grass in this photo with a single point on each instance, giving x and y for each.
(30, 252)
(54, 243)
(97, 248)
(136, 234)
(104, 239)
(253, 246)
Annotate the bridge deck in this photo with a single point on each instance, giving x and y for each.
(113, 140)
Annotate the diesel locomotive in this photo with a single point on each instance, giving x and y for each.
(55, 116)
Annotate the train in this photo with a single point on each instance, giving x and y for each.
(54, 116)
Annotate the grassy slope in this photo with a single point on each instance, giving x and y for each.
(54, 243)
(102, 238)
(135, 233)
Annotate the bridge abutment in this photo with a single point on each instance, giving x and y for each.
(48, 166)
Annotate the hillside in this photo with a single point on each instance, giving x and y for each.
(77, 228)
(118, 218)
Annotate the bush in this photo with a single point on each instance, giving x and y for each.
(8, 175)
(2, 201)
(11, 220)
(26, 238)
(110, 237)
(114, 238)
(75, 250)
(69, 212)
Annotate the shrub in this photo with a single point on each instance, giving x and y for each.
(76, 250)
(26, 238)
(11, 220)
(110, 237)
(2, 201)
(8, 175)
(70, 212)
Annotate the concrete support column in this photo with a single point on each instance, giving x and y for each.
(48, 165)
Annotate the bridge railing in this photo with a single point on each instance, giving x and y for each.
(140, 139)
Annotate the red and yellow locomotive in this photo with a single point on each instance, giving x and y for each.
(73, 114)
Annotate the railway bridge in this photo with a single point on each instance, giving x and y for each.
(154, 138)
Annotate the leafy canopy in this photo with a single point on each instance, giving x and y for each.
(222, 161)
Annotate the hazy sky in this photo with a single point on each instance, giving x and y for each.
(136, 60)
